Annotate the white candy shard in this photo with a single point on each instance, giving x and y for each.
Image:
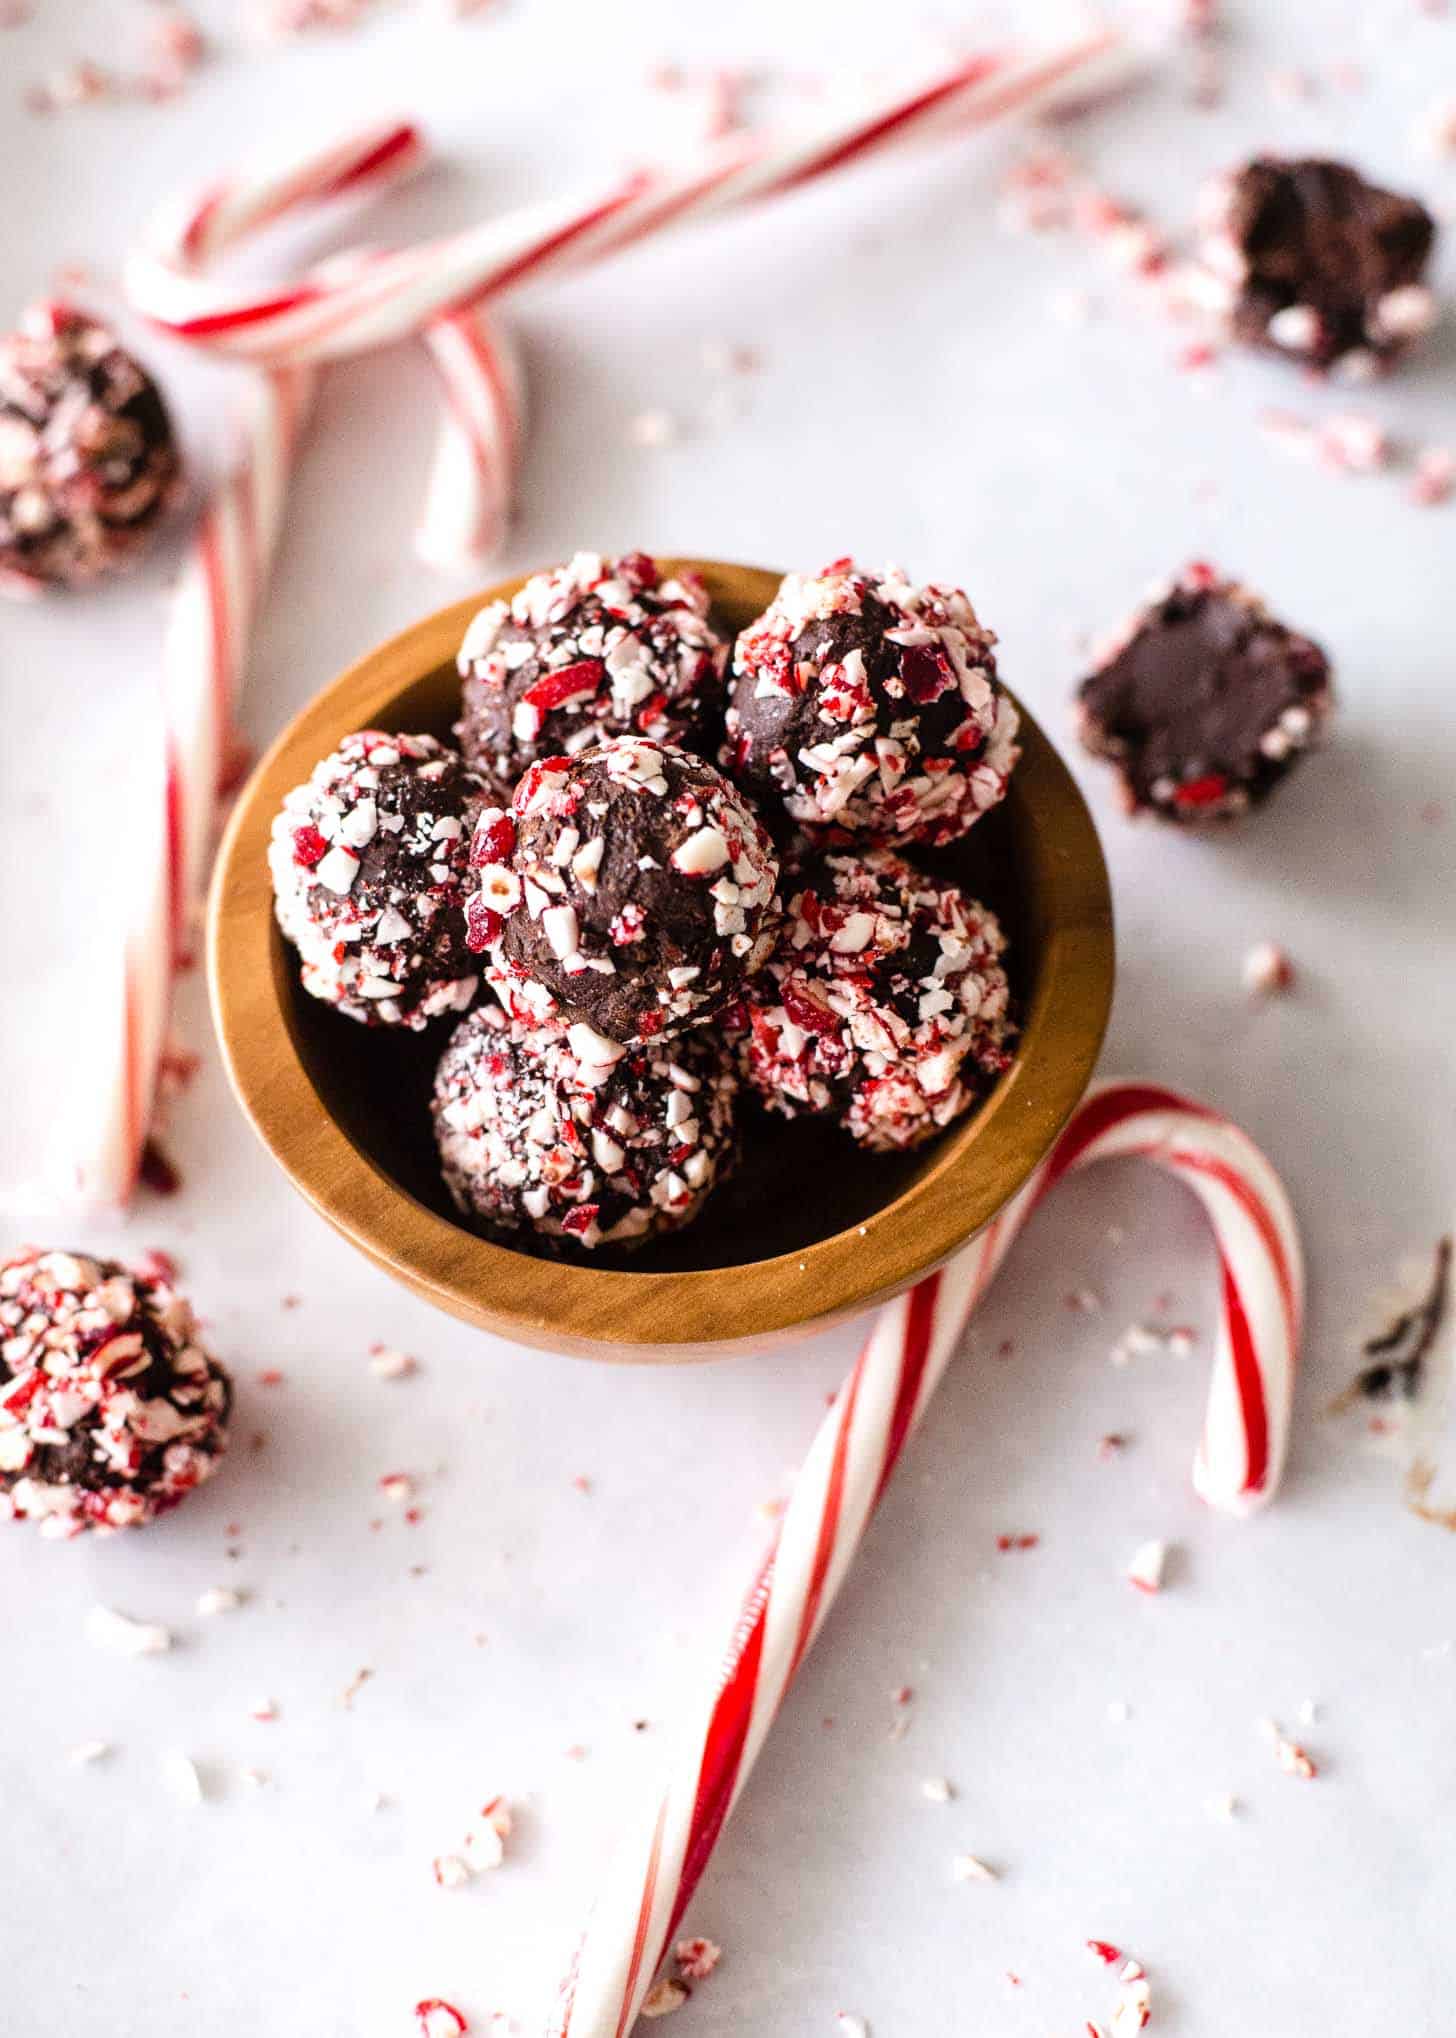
(1146, 1569)
(125, 1637)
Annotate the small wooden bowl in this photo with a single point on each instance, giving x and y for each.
(809, 1230)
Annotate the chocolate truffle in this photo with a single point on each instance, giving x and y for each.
(549, 1134)
(369, 863)
(111, 1411)
(630, 889)
(1311, 261)
(884, 1004)
(1203, 702)
(598, 648)
(88, 462)
(871, 707)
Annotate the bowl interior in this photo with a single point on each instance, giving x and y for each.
(799, 1186)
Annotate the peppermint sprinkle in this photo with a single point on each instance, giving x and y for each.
(970, 1868)
(124, 1637)
(87, 1752)
(180, 1774)
(937, 1790)
(388, 1364)
(218, 1599)
(696, 1958)
(1147, 1566)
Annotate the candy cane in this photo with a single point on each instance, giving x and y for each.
(208, 625)
(473, 479)
(851, 1461)
(389, 295)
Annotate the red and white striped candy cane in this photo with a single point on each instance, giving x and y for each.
(473, 480)
(388, 295)
(208, 626)
(473, 476)
(850, 1463)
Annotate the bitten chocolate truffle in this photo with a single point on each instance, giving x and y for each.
(1204, 702)
(1313, 262)
(111, 1411)
(88, 462)
(369, 863)
(871, 707)
(884, 1004)
(630, 889)
(549, 1135)
(595, 649)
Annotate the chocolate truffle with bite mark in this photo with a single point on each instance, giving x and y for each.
(369, 862)
(630, 889)
(870, 708)
(1203, 702)
(111, 1411)
(883, 1005)
(88, 462)
(550, 1135)
(594, 649)
(1311, 261)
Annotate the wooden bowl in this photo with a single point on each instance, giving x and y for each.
(809, 1230)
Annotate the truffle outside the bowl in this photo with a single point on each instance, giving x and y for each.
(810, 1231)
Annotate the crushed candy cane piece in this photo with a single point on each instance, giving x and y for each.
(1224, 1806)
(125, 1637)
(1267, 970)
(1146, 1569)
(264, 1709)
(437, 2019)
(256, 1779)
(852, 2026)
(1294, 1760)
(87, 1752)
(696, 1958)
(971, 1868)
(451, 1872)
(937, 1790)
(386, 1363)
(397, 1486)
(182, 1778)
(664, 1997)
(218, 1599)
(1106, 1952)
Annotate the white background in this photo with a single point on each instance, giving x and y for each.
(919, 399)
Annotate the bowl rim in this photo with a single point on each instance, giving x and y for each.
(561, 1305)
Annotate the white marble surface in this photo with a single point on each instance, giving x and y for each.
(919, 398)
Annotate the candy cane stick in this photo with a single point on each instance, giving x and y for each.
(208, 626)
(855, 1453)
(392, 294)
(473, 479)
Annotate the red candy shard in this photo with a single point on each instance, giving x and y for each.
(807, 1009)
(309, 847)
(1201, 792)
(494, 839)
(926, 672)
(582, 1218)
(482, 925)
(1108, 1954)
(567, 683)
